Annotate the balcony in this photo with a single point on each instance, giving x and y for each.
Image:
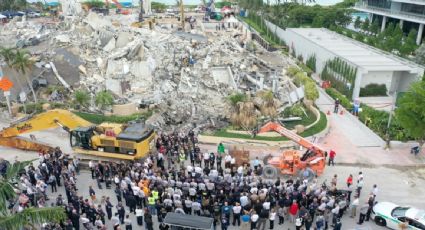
(416, 2)
(418, 18)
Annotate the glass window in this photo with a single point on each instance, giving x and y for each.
(399, 212)
(411, 8)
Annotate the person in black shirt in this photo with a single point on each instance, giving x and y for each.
(108, 207)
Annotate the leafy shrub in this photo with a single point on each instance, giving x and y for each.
(376, 120)
(373, 90)
(345, 102)
(311, 63)
(294, 111)
(300, 79)
(292, 70)
(32, 108)
(310, 90)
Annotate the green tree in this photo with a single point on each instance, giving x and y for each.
(8, 55)
(409, 44)
(393, 42)
(158, 7)
(28, 217)
(411, 111)
(366, 24)
(104, 99)
(235, 98)
(268, 105)
(310, 90)
(357, 22)
(389, 30)
(420, 55)
(374, 27)
(22, 63)
(82, 98)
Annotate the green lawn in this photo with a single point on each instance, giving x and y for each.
(305, 120)
(320, 126)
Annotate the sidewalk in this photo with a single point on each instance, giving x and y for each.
(355, 143)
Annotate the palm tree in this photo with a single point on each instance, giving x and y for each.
(82, 98)
(22, 63)
(104, 99)
(8, 55)
(28, 217)
(242, 112)
(268, 105)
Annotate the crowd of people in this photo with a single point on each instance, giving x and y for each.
(180, 178)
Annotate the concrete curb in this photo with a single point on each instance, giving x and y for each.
(393, 166)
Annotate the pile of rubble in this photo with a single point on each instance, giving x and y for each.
(184, 76)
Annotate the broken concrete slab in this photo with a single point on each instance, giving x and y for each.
(123, 39)
(63, 38)
(110, 45)
(96, 22)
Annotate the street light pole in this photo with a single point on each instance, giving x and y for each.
(387, 134)
(7, 96)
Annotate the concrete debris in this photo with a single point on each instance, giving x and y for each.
(63, 38)
(185, 76)
(82, 69)
(110, 45)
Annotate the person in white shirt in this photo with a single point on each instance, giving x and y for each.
(206, 159)
(272, 217)
(237, 214)
(266, 205)
(254, 219)
(244, 200)
(232, 162)
(375, 191)
(353, 206)
(227, 160)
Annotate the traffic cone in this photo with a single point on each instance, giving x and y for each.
(328, 113)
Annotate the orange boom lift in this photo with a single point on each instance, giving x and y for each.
(291, 162)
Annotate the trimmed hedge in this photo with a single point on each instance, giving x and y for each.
(376, 120)
(373, 89)
(99, 118)
(345, 102)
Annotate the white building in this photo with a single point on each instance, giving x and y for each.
(373, 65)
(412, 11)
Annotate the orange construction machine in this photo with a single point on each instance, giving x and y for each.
(291, 162)
(120, 9)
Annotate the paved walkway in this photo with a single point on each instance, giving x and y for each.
(355, 143)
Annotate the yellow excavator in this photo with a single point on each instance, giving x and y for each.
(108, 140)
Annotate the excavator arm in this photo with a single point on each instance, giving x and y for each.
(46, 120)
(9, 137)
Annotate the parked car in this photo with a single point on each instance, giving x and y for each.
(390, 215)
(33, 14)
(11, 14)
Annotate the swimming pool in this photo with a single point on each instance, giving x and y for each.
(362, 15)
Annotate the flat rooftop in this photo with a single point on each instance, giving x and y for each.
(359, 54)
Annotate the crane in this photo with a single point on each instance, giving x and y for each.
(128, 142)
(120, 9)
(290, 162)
